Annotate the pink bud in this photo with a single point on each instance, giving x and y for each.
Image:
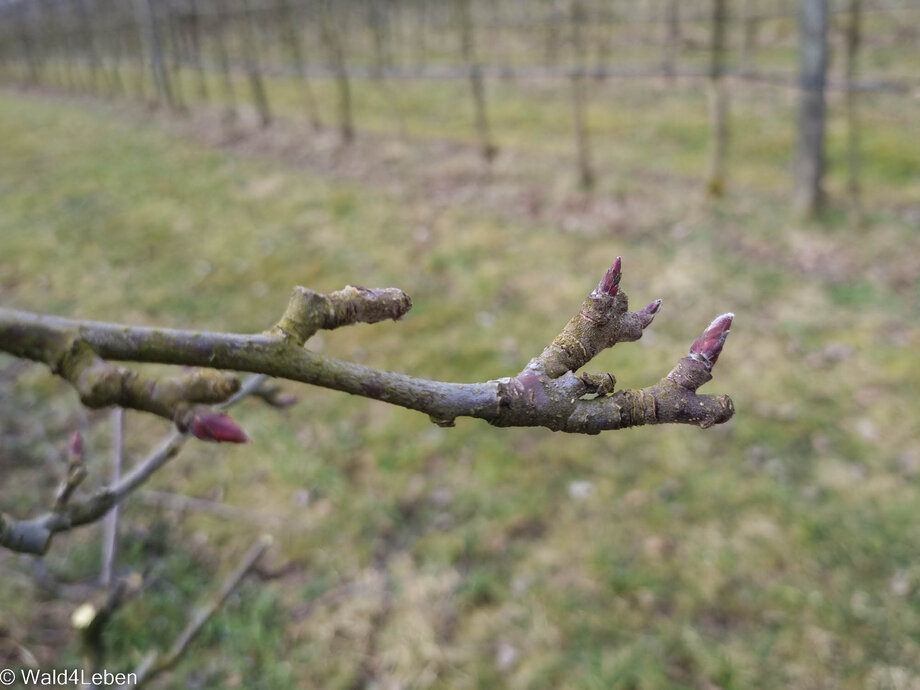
(647, 313)
(216, 426)
(708, 346)
(652, 308)
(610, 283)
(76, 445)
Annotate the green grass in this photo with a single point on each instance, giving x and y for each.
(632, 123)
(777, 551)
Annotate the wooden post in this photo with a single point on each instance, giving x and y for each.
(290, 35)
(468, 51)
(192, 25)
(853, 39)
(580, 97)
(813, 60)
(251, 59)
(150, 40)
(671, 38)
(223, 59)
(718, 103)
(331, 37)
(174, 46)
(27, 48)
(89, 46)
(750, 23)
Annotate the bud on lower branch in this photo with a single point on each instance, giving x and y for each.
(216, 427)
(75, 447)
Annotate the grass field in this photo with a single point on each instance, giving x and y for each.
(776, 551)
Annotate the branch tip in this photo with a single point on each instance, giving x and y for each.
(75, 447)
(648, 312)
(216, 427)
(610, 283)
(652, 309)
(708, 346)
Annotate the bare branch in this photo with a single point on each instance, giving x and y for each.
(101, 384)
(309, 311)
(76, 471)
(110, 524)
(34, 536)
(546, 393)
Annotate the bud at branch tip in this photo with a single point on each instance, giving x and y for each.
(215, 426)
(610, 283)
(652, 308)
(708, 346)
(75, 447)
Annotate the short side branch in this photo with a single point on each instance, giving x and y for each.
(35, 535)
(309, 311)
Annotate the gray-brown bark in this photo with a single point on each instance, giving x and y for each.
(35, 535)
(78, 351)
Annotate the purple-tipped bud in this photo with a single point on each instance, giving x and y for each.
(647, 313)
(217, 427)
(610, 283)
(652, 308)
(75, 447)
(708, 346)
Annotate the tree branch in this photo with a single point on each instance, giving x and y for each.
(546, 393)
(34, 536)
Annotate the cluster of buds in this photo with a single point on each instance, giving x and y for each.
(705, 349)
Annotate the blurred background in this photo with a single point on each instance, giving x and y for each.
(185, 163)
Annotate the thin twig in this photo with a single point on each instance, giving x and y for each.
(547, 392)
(110, 525)
(34, 536)
(156, 663)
